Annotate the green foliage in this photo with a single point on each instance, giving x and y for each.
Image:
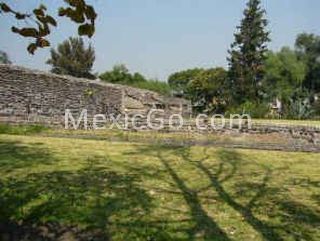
(4, 58)
(154, 85)
(73, 58)
(207, 90)
(285, 79)
(316, 108)
(254, 109)
(42, 20)
(89, 92)
(82, 14)
(179, 81)
(300, 109)
(285, 74)
(308, 49)
(78, 11)
(121, 75)
(247, 54)
(299, 106)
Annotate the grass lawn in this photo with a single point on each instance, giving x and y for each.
(130, 191)
(272, 122)
(307, 123)
(173, 138)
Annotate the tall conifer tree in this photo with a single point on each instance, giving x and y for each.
(247, 54)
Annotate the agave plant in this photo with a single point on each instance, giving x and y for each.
(300, 108)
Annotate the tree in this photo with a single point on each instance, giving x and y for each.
(207, 90)
(247, 54)
(179, 81)
(121, 75)
(308, 49)
(4, 58)
(284, 75)
(73, 58)
(77, 11)
(154, 85)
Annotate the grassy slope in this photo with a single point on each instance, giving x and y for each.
(143, 192)
(174, 138)
(308, 123)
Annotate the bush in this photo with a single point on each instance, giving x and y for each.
(255, 110)
(316, 107)
(300, 109)
(154, 85)
(121, 75)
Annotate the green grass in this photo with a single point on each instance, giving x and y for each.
(134, 191)
(176, 139)
(22, 129)
(307, 123)
(272, 122)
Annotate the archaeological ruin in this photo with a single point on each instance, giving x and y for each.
(36, 96)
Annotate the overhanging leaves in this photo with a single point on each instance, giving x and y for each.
(80, 13)
(86, 29)
(77, 11)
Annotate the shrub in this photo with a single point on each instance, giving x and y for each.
(255, 110)
(121, 75)
(299, 109)
(154, 85)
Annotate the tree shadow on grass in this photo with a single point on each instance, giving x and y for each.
(300, 213)
(92, 203)
(204, 227)
(297, 220)
(90, 198)
(217, 178)
(204, 224)
(283, 218)
(15, 155)
(96, 203)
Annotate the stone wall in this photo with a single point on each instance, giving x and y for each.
(39, 97)
(35, 96)
(46, 96)
(306, 134)
(136, 101)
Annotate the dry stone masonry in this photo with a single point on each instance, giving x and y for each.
(42, 97)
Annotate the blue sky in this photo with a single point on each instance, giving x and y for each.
(158, 37)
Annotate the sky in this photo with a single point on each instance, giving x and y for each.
(159, 37)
